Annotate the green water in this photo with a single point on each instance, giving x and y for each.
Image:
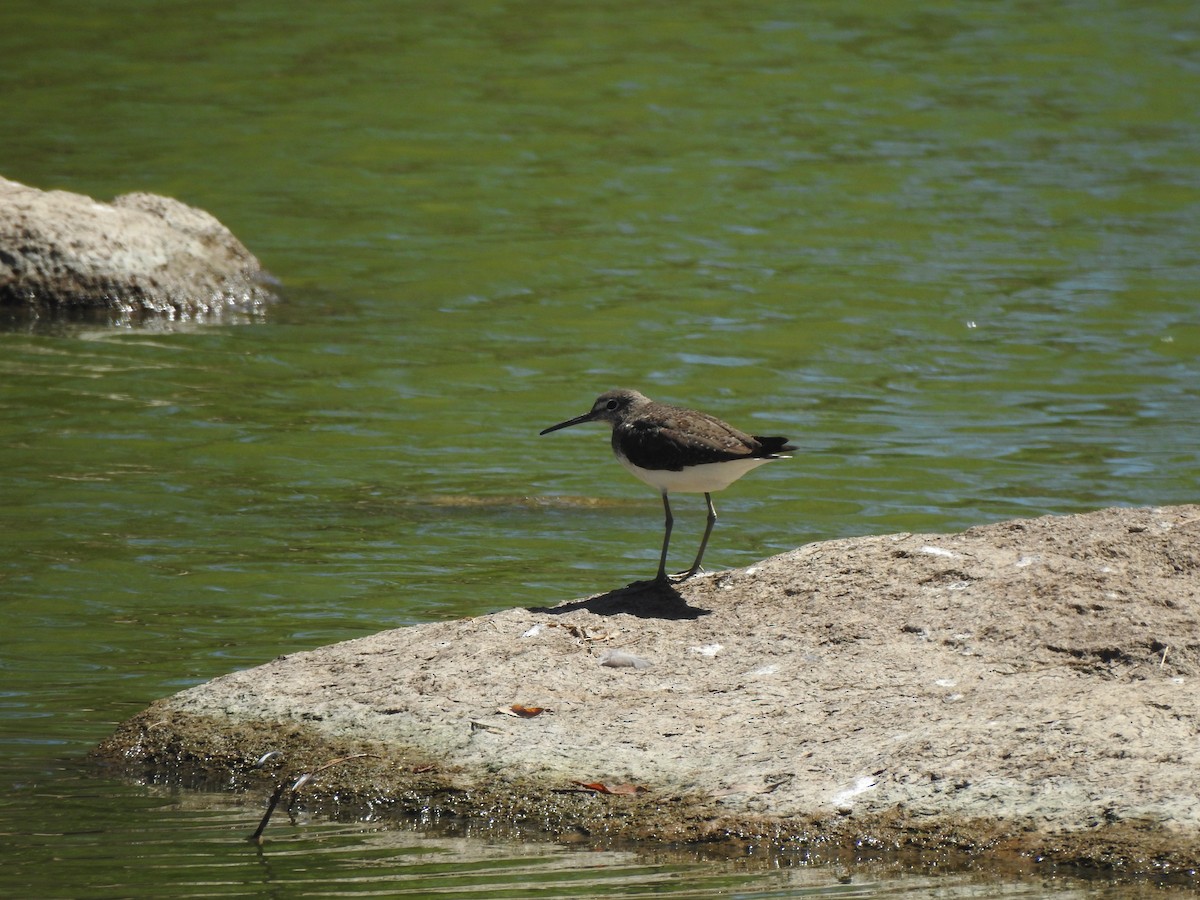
(949, 248)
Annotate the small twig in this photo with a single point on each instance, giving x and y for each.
(342, 759)
(262, 760)
(256, 838)
(1162, 662)
(300, 782)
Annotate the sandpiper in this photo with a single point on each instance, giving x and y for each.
(676, 449)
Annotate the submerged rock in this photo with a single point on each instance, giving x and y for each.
(1028, 687)
(141, 254)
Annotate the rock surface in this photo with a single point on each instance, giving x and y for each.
(140, 254)
(1024, 689)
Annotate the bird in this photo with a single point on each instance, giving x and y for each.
(672, 448)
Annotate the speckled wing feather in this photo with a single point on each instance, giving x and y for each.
(665, 438)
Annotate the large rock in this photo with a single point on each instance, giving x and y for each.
(1028, 687)
(140, 254)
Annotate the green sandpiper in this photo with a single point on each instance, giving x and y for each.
(672, 448)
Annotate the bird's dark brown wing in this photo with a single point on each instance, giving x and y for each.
(673, 442)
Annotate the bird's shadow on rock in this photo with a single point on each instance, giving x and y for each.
(645, 599)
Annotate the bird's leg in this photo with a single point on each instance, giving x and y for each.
(668, 521)
(712, 520)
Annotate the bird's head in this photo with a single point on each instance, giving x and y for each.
(611, 407)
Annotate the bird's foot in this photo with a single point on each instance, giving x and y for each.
(651, 584)
(662, 578)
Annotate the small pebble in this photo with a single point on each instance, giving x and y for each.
(619, 659)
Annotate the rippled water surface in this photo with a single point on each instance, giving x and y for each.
(949, 249)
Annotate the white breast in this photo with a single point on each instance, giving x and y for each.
(703, 479)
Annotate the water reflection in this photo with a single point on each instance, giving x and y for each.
(193, 845)
(78, 322)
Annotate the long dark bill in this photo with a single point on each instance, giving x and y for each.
(578, 420)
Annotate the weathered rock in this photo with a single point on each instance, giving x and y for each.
(1028, 687)
(141, 254)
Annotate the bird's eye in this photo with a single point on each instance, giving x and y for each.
(612, 404)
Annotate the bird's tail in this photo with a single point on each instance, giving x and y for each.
(773, 445)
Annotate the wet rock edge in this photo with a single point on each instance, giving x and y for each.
(166, 744)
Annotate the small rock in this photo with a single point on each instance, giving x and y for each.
(619, 659)
(141, 254)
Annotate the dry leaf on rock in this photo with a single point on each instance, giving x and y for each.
(523, 712)
(620, 789)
